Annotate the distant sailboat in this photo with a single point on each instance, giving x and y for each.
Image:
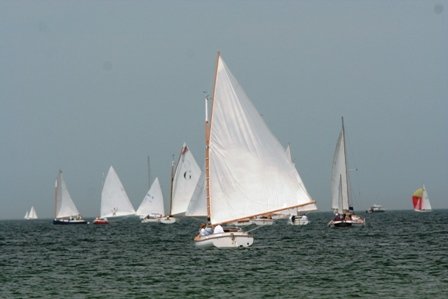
(152, 208)
(114, 199)
(31, 214)
(420, 200)
(247, 173)
(184, 178)
(340, 190)
(65, 209)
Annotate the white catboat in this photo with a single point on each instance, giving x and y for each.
(340, 189)
(114, 199)
(247, 173)
(31, 214)
(420, 200)
(185, 176)
(152, 207)
(375, 208)
(66, 211)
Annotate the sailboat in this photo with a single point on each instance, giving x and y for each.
(340, 190)
(420, 200)
(185, 175)
(64, 208)
(152, 207)
(247, 173)
(114, 199)
(294, 218)
(31, 214)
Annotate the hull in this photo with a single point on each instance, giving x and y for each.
(356, 221)
(422, 211)
(241, 223)
(299, 222)
(150, 220)
(168, 220)
(101, 221)
(225, 240)
(69, 221)
(263, 221)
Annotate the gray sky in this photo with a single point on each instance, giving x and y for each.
(89, 84)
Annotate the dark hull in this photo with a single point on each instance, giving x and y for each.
(342, 224)
(68, 222)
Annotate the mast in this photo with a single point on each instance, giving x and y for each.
(149, 174)
(207, 140)
(171, 185)
(346, 167)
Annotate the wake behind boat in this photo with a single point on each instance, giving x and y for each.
(247, 173)
(341, 203)
(65, 210)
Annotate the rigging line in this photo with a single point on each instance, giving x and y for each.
(257, 227)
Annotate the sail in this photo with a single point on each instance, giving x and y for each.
(198, 203)
(32, 214)
(153, 203)
(26, 215)
(65, 207)
(288, 153)
(114, 200)
(339, 180)
(185, 180)
(249, 173)
(420, 200)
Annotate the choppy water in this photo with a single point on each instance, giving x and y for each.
(399, 254)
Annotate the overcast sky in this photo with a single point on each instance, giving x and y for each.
(89, 84)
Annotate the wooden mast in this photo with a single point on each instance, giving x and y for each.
(207, 140)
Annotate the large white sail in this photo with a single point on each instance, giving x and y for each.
(32, 214)
(185, 180)
(198, 203)
(339, 180)
(65, 207)
(153, 203)
(249, 173)
(114, 199)
(426, 205)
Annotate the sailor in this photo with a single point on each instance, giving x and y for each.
(204, 231)
(218, 229)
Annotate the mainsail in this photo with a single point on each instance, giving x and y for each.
(64, 205)
(114, 199)
(32, 214)
(153, 203)
(249, 173)
(184, 182)
(340, 192)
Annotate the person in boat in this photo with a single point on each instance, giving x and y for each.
(204, 230)
(304, 218)
(293, 218)
(218, 229)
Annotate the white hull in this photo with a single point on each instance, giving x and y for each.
(299, 222)
(422, 211)
(225, 240)
(263, 221)
(169, 220)
(151, 220)
(241, 223)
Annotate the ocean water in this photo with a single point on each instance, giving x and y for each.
(398, 254)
